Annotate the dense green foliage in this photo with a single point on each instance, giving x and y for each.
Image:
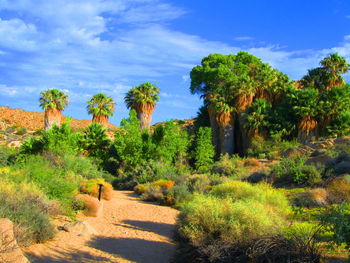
(204, 150)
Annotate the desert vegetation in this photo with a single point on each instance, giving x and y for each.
(261, 175)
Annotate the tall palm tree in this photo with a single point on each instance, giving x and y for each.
(101, 107)
(143, 99)
(225, 119)
(53, 101)
(335, 66)
(307, 109)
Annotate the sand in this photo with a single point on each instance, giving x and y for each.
(129, 230)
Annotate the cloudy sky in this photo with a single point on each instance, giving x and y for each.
(88, 46)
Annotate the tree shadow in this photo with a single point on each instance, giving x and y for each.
(163, 229)
(137, 250)
(67, 256)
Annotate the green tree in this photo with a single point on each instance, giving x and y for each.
(101, 106)
(128, 141)
(305, 103)
(143, 99)
(95, 141)
(257, 117)
(53, 101)
(204, 150)
(171, 143)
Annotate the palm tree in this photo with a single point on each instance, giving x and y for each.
(256, 117)
(335, 66)
(101, 106)
(225, 119)
(143, 99)
(53, 101)
(307, 109)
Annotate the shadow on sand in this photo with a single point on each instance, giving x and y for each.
(137, 250)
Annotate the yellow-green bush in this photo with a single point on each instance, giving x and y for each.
(262, 193)
(91, 187)
(232, 214)
(28, 208)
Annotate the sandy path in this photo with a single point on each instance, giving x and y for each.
(128, 231)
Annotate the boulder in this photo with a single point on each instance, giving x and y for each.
(10, 252)
(322, 159)
(80, 228)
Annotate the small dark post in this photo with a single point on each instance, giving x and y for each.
(100, 191)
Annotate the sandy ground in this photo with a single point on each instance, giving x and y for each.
(128, 231)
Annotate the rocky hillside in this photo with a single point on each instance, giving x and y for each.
(33, 121)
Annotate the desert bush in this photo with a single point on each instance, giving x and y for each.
(337, 219)
(5, 155)
(58, 139)
(204, 150)
(294, 170)
(262, 193)
(86, 167)
(210, 224)
(91, 187)
(225, 218)
(90, 205)
(55, 183)
(158, 191)
(27, 207)
(313, 198)
(339, 190)
(229, 167)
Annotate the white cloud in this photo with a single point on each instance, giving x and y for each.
(243, 38)
(10, 91)
(90, 46)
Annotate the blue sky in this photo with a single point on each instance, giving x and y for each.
(90, 46)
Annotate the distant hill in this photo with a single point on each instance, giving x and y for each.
(35, 120)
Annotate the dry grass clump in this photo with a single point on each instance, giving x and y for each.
(91, 187)
(90, 204)
(316, 197)
(339, 190)
(251, 162)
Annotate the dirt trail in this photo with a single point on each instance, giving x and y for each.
(128, 231)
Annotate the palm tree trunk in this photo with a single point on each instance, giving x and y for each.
(52, 115)
(245, 137)
(215, 130)
(102, 119)
(145, 118)
(225, 122)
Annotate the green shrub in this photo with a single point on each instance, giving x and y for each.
(294, 170)
(227, 218)
(58, 139)
(337, 220)
(26, 206)
(204, 150)
(55, 183)
(229, 167)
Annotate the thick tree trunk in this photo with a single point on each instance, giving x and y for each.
(308, 128)
(244, 143)
(52, 116)
(225, 122)
(145, 118)
(102, 119)
(306, 136)
(215, 130)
